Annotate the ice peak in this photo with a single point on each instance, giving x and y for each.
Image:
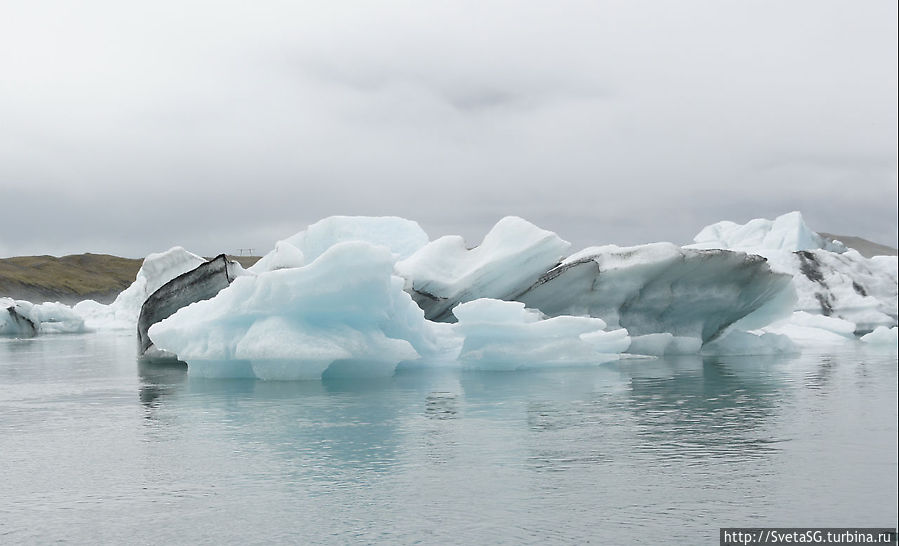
(786, 232)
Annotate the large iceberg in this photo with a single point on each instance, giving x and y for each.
(828, 278)
(362, 295)
(513, 255)
(345, 312)
(504, 335)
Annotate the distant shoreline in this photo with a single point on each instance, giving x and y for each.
(73, 278)
(100, 277)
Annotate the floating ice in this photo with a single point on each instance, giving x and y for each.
(25, 319)
(811, 331)
(345, 312)
(504, 335)
(16, 319)
(157, 269)
(57, 318)
(787, 232)
(513, 255)
(658, 288)
(888, 337)
(848, 286)
(340, 297)
(200, 283)
(828, 279)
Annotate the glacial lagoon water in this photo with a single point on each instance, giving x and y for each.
(95, 447)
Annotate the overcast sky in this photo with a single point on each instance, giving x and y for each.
(130, 127)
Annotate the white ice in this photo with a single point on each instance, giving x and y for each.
(401, 236)
(828, 279)
(883, 336)
(156, 270)
(512, 256)
(345, 311)
(504, 335)
(786, 232)
(810, 330)
(46, 317)
(660, 288)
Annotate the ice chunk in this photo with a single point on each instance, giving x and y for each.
(787, 232)
(16, 319)
(25, 319)
(513, 255)
(284, 256)
(401, 236)
(883, 336)
(157, 269)
(658, 288)
(57, 318)
(848, 285)
(828, 279)
(812, 331)
(504, 335)
(343, 310)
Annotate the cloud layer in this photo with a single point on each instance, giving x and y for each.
(129, 128)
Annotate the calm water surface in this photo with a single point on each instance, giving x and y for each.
(97, 448)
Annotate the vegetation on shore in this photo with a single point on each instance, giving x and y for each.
(70, 279)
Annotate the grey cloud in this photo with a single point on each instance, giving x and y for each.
(128, 129)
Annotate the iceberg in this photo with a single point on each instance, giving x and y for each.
(828, 278)
(57, 318)
(16, 319)
(787, 232)
(658, 288)
(201, 283)
(847, 286)
(504, 335)
(365, 295)
(345, 312)
(25, 319)
(512, 256)
(123, 312)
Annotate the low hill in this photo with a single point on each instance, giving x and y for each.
(70, 279)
